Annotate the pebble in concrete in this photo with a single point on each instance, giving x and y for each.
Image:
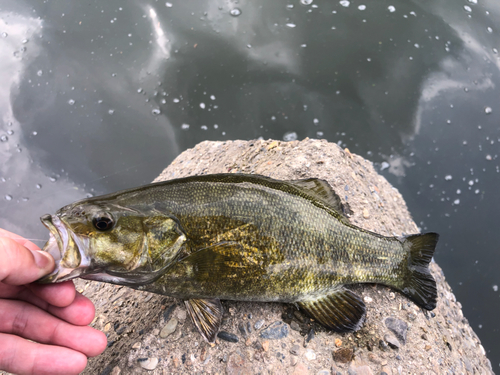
(392, 341)
(343, 355)
(398, 327)
(310, 355)
(169, 328)
(227, 336)
(148, 363)
(275, 331)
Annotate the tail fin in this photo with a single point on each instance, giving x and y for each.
(420, 286)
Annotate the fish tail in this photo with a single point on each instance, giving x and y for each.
(420, 285)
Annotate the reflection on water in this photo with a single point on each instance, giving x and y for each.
(99, 97)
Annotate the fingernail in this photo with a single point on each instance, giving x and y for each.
(42, 259)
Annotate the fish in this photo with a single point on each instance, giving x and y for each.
(241, 237)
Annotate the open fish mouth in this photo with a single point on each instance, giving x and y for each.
(67, 249)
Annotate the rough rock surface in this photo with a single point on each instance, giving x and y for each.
(419, 342)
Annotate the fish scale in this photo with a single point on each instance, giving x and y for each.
(239, 237)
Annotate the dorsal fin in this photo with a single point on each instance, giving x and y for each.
(321, 190)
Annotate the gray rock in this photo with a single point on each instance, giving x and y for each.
(148, 363)
(383, 345)
(275, 331)
(227, 336)
(310, 335)
(243, 328)
(386, 214)
(259, 323)
(323, 372)
(295, 326)
(295, 350)
(392, 341)
(398, 327)
(169, 328)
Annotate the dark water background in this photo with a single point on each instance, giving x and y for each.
(100, 96)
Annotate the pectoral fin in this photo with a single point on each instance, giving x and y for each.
(340, 311)
(206, 315)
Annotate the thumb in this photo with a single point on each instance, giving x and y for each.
(21, 266)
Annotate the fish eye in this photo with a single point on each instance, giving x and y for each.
(103, 223)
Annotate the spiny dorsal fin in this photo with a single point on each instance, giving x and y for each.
(206, 315)
(321, 190)
(340, 311)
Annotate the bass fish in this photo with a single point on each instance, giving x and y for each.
(237, 237)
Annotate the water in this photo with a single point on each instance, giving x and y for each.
(103, 96)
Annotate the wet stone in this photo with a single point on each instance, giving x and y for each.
(226, 336)
(275, 331)
(343, 355)
(392, 341)
(398, 327)
(148, 363)
(169, 328)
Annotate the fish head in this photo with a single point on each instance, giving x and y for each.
(111, 243)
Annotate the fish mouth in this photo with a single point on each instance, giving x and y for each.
(67, 249)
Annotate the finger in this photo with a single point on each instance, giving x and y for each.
(22, 266)
(20, 240)
(81, 312)
(60, 294)
(25, 320)
(20, 356)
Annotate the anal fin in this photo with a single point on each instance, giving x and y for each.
(340, 311)
(206, 315)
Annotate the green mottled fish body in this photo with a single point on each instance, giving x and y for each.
(238, 237)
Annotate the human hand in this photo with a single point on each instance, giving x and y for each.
(53, 316)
